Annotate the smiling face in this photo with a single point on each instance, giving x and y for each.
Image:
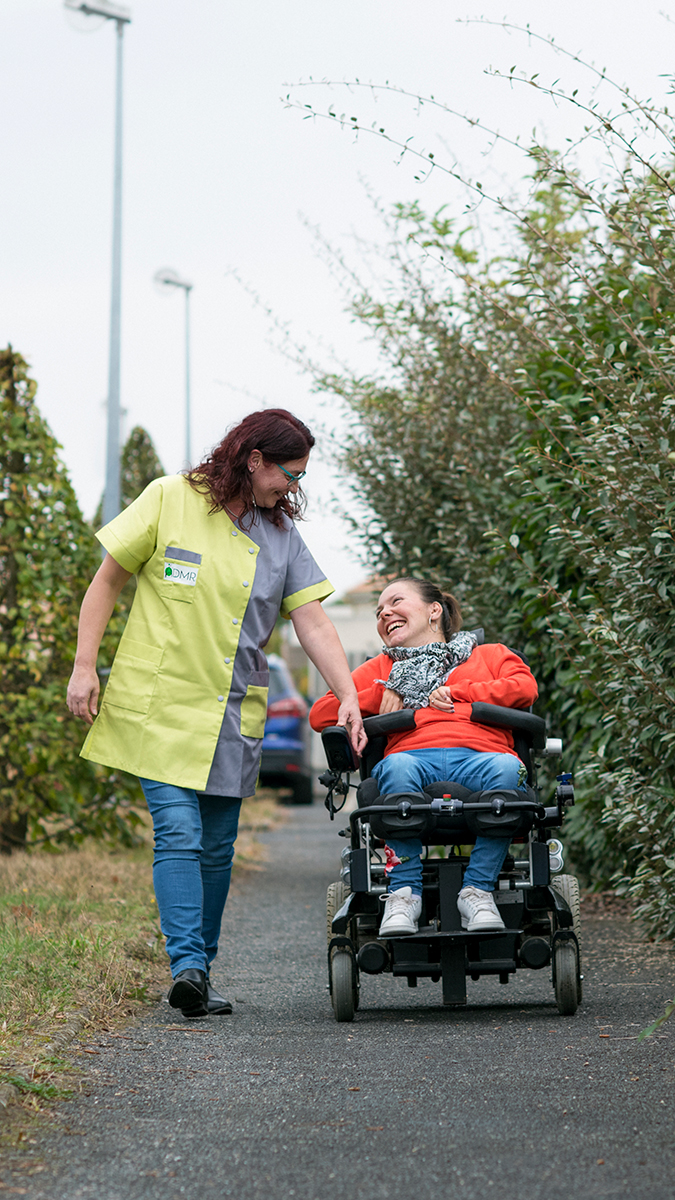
(268, 480)
(403, 618)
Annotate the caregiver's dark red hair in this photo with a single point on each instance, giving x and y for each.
(223, 475)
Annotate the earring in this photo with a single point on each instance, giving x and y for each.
(433, 628)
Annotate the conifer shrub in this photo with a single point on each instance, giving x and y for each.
(48, 555)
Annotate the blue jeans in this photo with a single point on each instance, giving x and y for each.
(194, 848)
(411, 770)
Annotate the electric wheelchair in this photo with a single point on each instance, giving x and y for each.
(539, 906)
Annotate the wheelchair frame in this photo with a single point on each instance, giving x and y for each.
(540, 914)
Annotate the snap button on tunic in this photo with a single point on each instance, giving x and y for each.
(221, 698)
(245, 583)
(227, 660)
(235, 621)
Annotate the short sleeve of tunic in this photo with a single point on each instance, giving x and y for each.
(131, 537)
(305, 581)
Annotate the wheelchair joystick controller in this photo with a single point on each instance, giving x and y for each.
(333, 780)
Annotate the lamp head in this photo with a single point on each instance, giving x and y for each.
(100, 8)
(167, 278)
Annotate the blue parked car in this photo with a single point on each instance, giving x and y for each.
(285, 748)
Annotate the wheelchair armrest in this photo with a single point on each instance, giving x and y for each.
(338, 749)
(517, 719)
(386, 723)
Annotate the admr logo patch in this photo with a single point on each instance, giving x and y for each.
(177, 573)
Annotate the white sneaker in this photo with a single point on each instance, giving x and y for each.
(478, 910)
(401, 913)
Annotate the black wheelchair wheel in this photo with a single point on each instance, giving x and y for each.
(335, 897)
(566, 975)
(568, 887)
(343, 985)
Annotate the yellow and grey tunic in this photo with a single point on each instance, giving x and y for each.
(187, 695)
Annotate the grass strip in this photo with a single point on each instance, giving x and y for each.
(81, 948)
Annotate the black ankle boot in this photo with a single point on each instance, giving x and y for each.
(217, 1005)
(188, 993)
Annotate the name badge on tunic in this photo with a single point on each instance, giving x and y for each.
(177, 573)
(184, 571)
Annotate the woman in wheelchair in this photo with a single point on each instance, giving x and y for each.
(428, 665)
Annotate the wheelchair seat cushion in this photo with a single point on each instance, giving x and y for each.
(367, 793)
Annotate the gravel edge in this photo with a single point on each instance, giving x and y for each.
(9, 1093)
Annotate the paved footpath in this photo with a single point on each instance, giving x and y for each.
(410, 1102)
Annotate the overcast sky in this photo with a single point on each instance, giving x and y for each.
(220, 176)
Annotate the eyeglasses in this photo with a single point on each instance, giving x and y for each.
(289, 474)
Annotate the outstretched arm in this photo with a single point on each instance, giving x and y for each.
(319, 639)
(96, 611)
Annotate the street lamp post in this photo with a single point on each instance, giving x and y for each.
(111, 497)
(165, 279)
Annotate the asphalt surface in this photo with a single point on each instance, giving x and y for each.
(411, 1101)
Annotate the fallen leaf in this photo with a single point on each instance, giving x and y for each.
(186, 1029)
(254, 1072)
(601, 1162)
(354, 1089)
(604, 1035)
(374, 1128)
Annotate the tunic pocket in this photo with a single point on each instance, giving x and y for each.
(133, 676)
(254, 711)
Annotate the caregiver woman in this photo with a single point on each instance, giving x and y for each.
(217, 558)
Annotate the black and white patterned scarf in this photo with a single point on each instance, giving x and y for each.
(418, 670)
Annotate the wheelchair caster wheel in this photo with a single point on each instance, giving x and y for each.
(344, 986)
(567, 985)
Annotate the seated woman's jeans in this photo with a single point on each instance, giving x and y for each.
(410, 771)
(194, 848)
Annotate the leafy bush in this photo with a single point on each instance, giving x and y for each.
(520, 446)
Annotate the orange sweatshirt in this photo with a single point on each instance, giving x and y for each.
(493, 674)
